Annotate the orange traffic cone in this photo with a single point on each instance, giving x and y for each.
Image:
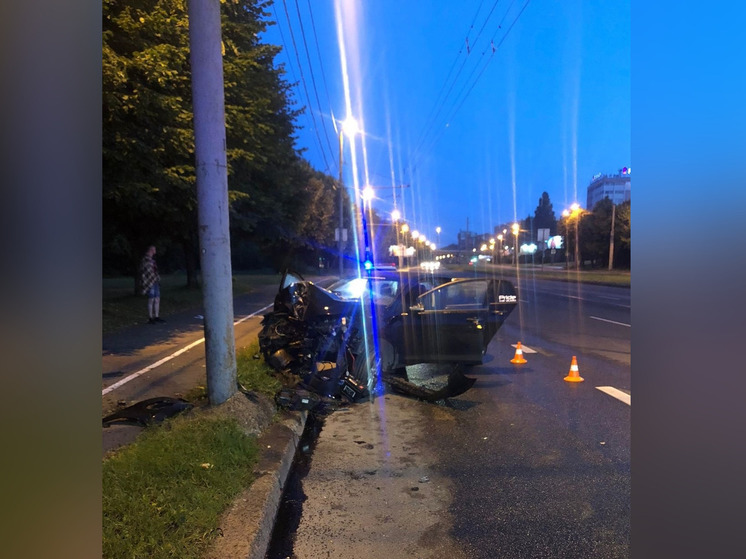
(574, 375)
(518, 359)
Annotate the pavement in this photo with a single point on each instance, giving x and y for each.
(147, 361)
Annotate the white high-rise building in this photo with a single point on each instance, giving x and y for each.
(614, 187)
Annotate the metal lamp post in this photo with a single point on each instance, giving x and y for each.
(349, 127)
(395, 216)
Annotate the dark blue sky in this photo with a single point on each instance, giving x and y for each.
(539, 101)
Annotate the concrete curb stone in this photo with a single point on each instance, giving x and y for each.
(246, 528)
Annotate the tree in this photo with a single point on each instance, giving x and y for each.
(148, 142)
(279, 204)
(622, 235)
(544, 217)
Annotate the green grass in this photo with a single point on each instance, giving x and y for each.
(619, 278)
(122, 308)
(599, 277)
(164, 494)
(254, 374)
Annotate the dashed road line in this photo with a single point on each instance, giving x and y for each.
(611, 321)
(133, 376)
(616, 393)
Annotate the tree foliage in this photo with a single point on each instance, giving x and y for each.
(594, 234)
(279, 204)
(544, 217)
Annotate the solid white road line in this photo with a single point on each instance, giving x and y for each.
(133, 376)
(524, 348)
(612, 321)
(616, 393)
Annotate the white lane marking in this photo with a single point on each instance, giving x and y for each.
(611, 298)
(616, 393)
(612, 321)
(252, 314)
(133, 376)
(524, 348)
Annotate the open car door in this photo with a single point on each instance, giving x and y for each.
(455, 322)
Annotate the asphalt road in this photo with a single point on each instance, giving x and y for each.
(523, 465)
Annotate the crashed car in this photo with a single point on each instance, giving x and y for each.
(339, 341)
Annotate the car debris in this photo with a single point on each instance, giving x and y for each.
(148, 412)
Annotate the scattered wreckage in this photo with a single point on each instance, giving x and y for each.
(338, 342)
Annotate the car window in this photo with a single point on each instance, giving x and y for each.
(289, 279)
(384, 291)
(461, 295)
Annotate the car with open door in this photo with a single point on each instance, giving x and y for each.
(336, 340)
(451, 323)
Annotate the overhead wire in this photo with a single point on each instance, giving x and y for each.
(432, 122)
(450, 70)
(318, 54)
(305, 88)
(313, 79)
(418, 153)
(494, 50)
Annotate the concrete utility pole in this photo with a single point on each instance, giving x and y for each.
(212, 197)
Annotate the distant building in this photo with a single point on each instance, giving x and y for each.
(467, 240)
(614, 187)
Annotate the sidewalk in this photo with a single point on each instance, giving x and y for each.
(247, 526)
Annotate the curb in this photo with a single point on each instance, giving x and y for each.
(246, 528)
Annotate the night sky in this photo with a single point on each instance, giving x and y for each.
(478, 106)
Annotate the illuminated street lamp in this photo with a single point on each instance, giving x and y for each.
(367, 194)
(437, 231)
(395, 216)
(349, 128)
(499, 252)
(516, 229)
(574, 212)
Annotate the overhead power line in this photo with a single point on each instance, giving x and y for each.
(305, 88)
(460, 99)
(439, 105)
(313, 79)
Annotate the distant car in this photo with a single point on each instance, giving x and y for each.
(331, 337)
(431, 265)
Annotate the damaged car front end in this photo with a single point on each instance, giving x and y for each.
(338, 342)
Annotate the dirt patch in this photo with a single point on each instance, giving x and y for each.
(253, 412)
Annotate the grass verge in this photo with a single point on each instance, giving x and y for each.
(254, 373)
(121, 307)
(164, 494)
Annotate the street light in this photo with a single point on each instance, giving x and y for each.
(499, 255)
(516, 229)
(437, 231)
(395, 216)
(566, 215)
(367, 194)
(575, 212)
(349, 127)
